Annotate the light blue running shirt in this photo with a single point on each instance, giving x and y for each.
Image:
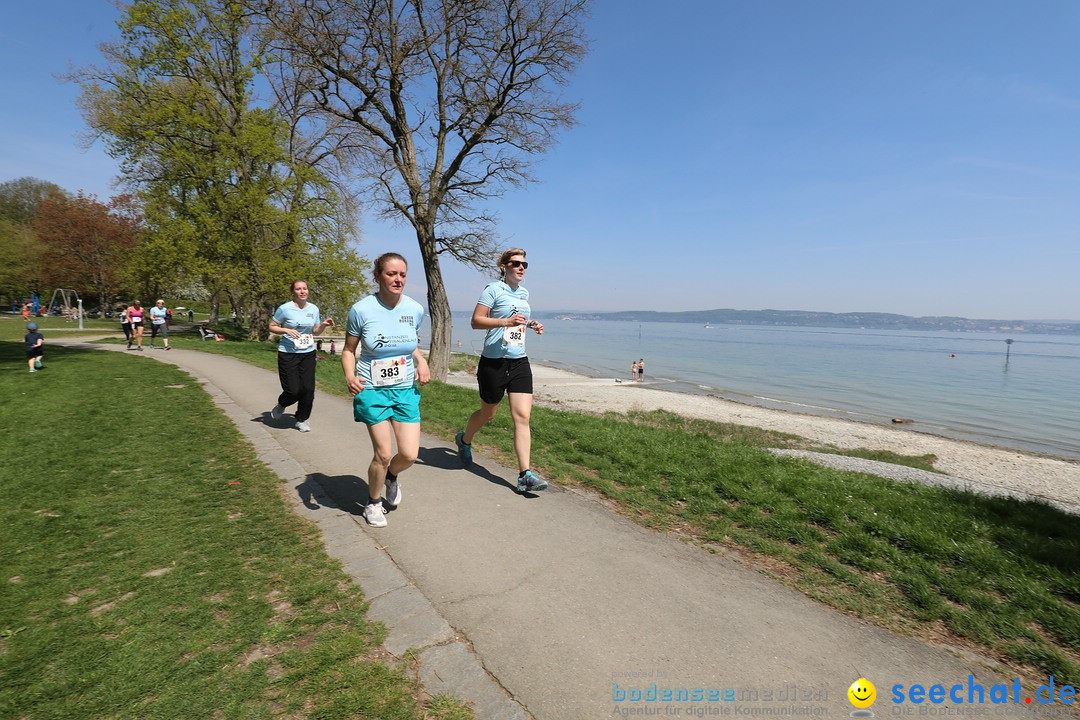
(387, 339)
(289, 316)
(504, 303)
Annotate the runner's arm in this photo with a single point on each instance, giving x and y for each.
(482, 320)
(423, 372)
(276, 328)
(348, 364)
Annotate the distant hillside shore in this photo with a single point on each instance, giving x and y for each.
(853, 320)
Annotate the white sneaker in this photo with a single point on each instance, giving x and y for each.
(302, 426)
(374, 514)
(276, 412)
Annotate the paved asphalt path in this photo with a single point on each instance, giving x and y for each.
(552, 606)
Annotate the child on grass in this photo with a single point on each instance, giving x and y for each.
(34, 351)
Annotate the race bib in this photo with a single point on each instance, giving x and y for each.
(389, 371)
(514, 336)
(303, 342)
(135, 320)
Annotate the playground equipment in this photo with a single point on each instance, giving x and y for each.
(68, 299)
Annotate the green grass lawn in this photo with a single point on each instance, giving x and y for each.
(152, 569)
(13, 327)
(999, 575)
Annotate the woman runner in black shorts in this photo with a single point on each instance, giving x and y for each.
(503, 310)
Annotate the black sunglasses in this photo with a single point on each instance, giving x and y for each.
(518, 263)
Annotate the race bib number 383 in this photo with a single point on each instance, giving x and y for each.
(389, 371)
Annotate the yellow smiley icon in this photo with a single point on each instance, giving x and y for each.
(862, 693)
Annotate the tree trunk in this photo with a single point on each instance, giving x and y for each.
(258, 316)
(442, 325)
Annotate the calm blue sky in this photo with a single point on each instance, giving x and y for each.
(920, 157)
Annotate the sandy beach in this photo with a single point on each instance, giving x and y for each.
(994, 470)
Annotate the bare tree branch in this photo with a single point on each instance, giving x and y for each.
(439, 104)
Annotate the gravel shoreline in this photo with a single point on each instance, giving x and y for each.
(980, 468)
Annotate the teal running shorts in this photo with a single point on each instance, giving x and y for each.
(373, 405)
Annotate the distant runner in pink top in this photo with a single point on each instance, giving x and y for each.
(135, 316)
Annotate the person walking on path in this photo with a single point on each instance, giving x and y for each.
(135, 318)
(125, 325)
(297, 322)
(34, 347)
(383, 380)
(159, 323)
(503, 311)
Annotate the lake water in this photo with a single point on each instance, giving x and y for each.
(950, 383)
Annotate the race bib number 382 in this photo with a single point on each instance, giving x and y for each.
(514, 336)
(389, 371)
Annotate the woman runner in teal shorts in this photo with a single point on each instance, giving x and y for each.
(383, 380)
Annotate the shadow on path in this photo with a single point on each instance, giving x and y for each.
(445, 458)
(349, 492)
(285, 422)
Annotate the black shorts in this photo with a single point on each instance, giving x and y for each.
(503, 375)
(35, 352)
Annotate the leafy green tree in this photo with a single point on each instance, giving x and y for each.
(441, 104)
(20, 269)
(160, 264)
(19, 199)
(224, 198)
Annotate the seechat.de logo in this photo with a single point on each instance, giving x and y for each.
(974, 693)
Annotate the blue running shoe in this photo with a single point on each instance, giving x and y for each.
(464, 450)
(530, 482)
